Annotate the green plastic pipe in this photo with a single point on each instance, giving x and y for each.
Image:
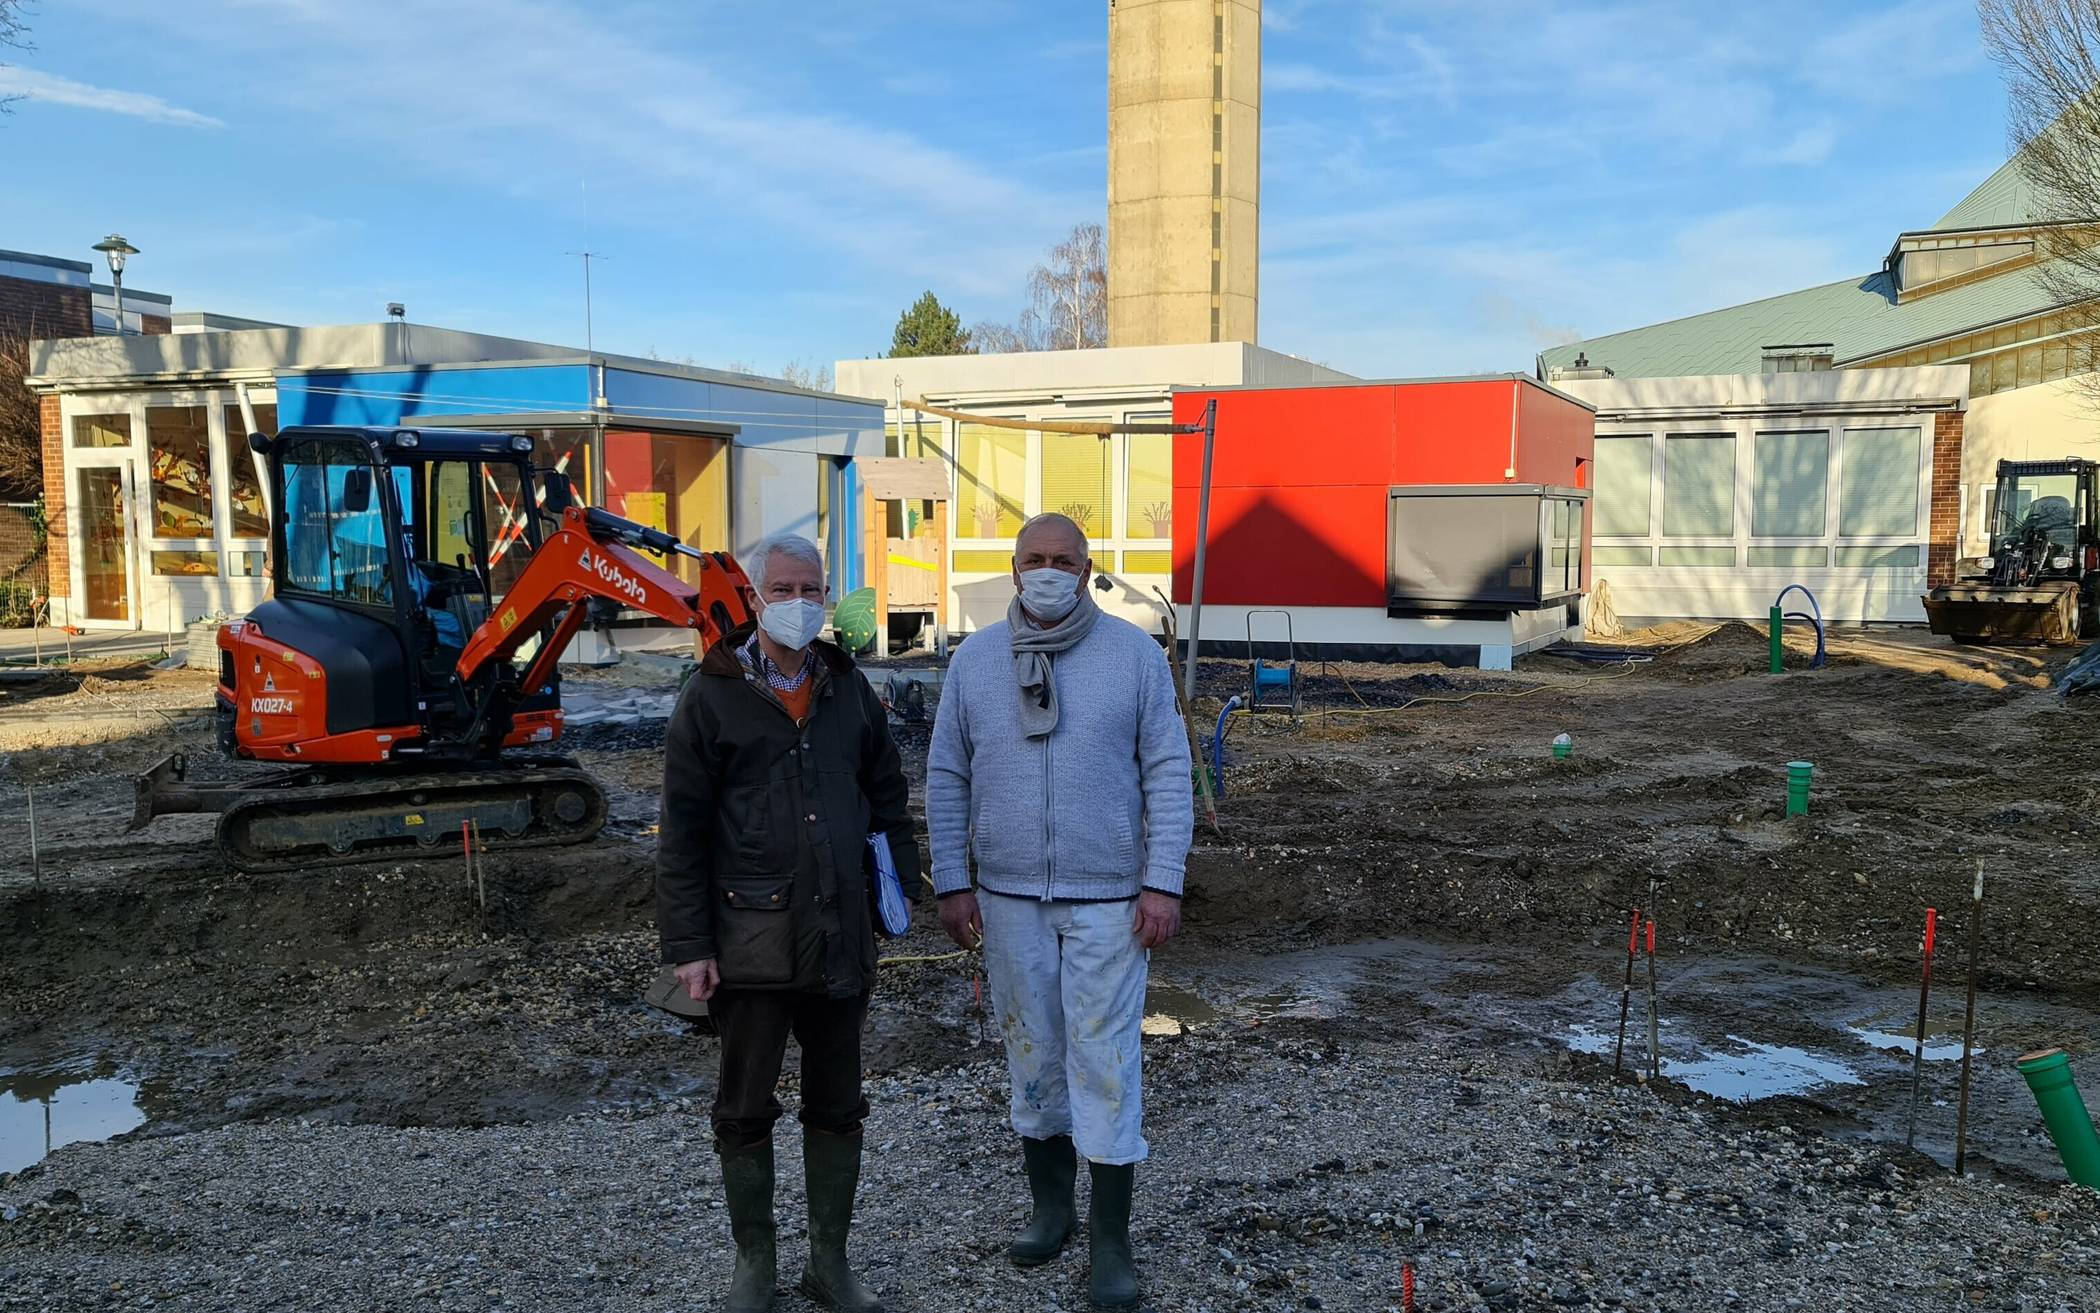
(1799, 775)
(1778, 651)
(2048, 1075)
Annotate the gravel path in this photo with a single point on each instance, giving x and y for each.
(1292, 1169)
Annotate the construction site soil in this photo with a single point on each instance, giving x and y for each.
(1385, 1036)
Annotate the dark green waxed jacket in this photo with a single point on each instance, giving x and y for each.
(762, 857)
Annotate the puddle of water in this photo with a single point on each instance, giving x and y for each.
(1881, 1039)
(40, 1112)
(1755, 1071)
(1172, 1004)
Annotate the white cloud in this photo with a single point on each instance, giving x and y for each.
(1811, 145)
(692, 141)
(51, 89)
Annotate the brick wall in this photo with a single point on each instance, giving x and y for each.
(150, 324)
(45, 309)
(1943, 540)
(59, 563)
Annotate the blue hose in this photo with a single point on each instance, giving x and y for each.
(1816, 619)
(1217, 747)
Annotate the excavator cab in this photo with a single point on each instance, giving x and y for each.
(393, 546)
(2040, 579)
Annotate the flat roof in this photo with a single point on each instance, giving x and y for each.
(1511, 377)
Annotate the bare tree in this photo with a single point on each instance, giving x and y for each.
(14, 33)
(2049, 52)
(1067, 300)
(21, 424)
(814, 375)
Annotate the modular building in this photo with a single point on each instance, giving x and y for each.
(1119, 489)
(154, 500)
(1434, 519)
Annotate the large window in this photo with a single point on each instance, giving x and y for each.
(1699, 486)
(102, 430)
(335, 524)
(244, 502)
(992, 480)
(1879, 495)
(1625, 480)
(1079, 480)
(178, 453)
(1149, 481)
(1788, 493)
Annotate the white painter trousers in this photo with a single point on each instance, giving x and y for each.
(1068, 990)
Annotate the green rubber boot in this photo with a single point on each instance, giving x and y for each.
(831, 1170)
(747, 1189)
(1053, 1166)
(1112, 1283)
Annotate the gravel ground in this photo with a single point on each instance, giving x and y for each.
(381, 1086)
(1291, 1169)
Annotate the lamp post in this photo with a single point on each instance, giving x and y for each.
(116, 250)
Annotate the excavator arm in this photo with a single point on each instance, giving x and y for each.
(591, 554)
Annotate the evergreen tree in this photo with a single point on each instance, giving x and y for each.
(929, 329)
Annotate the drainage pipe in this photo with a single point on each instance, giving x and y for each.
(1217, 746)
(1780, 615)
(2049, 1077)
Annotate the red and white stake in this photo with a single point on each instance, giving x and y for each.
(1407, 1288)
(1917, 1057)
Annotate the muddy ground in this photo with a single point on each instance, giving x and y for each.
(1406, 864)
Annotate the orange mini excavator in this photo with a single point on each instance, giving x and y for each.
(424, 584)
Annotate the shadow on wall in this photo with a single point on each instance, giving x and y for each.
(1271, 554)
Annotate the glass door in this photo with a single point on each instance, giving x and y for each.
(102, 508)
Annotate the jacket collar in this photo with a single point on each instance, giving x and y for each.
(721, 661)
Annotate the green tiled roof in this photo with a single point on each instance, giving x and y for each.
(1858, 317)
(2006, 197)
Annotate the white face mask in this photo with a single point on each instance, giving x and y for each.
(793, 623)
(1049, 594)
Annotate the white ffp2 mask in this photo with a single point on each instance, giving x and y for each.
(794, 623)
(1049, 594)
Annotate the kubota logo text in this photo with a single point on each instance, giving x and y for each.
(615, 578)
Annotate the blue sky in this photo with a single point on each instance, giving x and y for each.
(1447, 187)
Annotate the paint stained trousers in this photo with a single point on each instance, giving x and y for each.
(1068, 989)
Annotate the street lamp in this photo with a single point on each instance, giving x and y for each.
(116, 250)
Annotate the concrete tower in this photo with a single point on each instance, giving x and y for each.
(1184, 170)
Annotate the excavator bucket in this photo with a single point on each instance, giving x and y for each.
(2045, 612)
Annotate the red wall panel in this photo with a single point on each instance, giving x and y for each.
(1300, 476)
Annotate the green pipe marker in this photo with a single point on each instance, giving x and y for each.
(1798, 776)
(1778, 650)
(1563, 747)
(2048, 1075)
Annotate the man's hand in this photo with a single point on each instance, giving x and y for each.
(1158, 918)
(701, 979)
(961, 918)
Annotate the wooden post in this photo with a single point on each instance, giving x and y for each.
(938, 518)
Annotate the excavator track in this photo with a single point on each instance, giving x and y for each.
(379, 818)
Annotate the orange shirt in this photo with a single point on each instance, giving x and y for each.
(797, 701)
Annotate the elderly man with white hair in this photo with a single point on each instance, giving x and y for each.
(778, 766)
(1061, 764)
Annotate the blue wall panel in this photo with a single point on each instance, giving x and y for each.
(392, 396)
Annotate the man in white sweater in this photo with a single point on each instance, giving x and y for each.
(1061, 764)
